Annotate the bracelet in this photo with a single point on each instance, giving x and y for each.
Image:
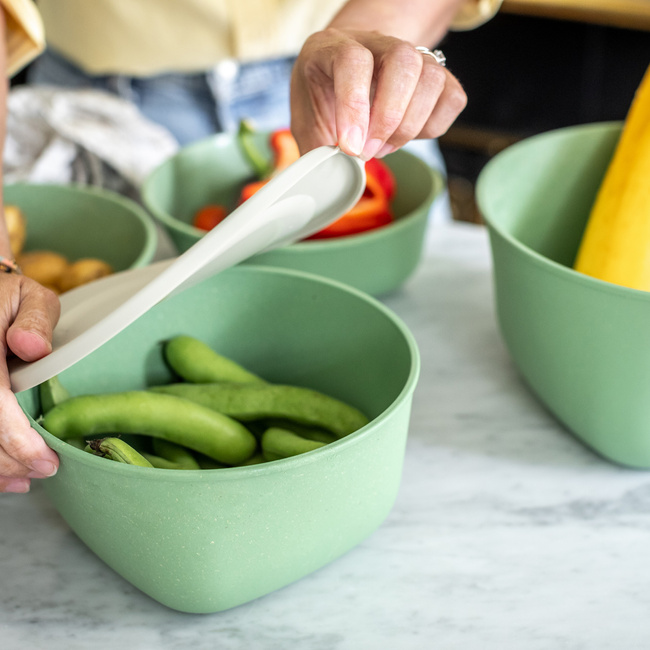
(7, 265)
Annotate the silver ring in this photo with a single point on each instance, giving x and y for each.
(437, 55)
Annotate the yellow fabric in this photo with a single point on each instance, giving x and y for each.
(192, 35)
(475, 13)
(25, 38)
(180, 35)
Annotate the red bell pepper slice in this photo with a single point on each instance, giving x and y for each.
(249, 189)
(285, 149)
(348, 225)
(209, 216)
(382, 172)
(371, 211)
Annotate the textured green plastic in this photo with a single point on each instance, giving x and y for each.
(78, 222)
(207, 540)
(580, 343)
(213, 171)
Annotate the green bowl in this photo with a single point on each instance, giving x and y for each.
(580, 343)
(78, 221)
(377, 262)
(207, 540)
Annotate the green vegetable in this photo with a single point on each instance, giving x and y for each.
(257, 401)
(262, 166)
(158, 415)
(319, 435)
(118, 450)
(51, 393)
(163, 463)
(194, 361)
(279, 443)
(79, 443)
(176, 457)
(255, 459)
(175, 454)
(205, 462)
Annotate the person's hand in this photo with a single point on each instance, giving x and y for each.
(369, 93)
(28, 314)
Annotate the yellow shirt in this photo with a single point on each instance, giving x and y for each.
(25, 38)
(145, 37)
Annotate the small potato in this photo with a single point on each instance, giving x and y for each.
(46, 267)
(83, 271)
(16, 228)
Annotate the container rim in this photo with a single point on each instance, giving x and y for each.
(151, 235)
(563, 272)
(437, 186)
(249, 471)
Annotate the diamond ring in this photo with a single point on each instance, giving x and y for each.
(437, 55)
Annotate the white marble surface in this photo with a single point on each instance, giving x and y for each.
(507, 533)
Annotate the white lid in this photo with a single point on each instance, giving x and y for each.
(313, 192)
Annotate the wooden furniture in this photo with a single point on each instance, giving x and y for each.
(629, 14)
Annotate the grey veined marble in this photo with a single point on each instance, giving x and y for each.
(508, 534)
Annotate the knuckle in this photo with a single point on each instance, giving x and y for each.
(10, 294)
(18, 441)
(351, 55)
(47, 293)
(320, 39)
(328, 35)
(434, 75)
(381, 130)
(356, 104)
(12, 468)
(404, 58)
(51, 301)
(438, 127)
(406, 132)
(444, 115)
(405, 55)
(16, 445)
(386, 123)
(48, 303)
(312, 73)
(458, 100)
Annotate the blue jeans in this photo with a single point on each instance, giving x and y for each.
(191, 106)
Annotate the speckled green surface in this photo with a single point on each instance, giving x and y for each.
(580, 343)
(205, 541)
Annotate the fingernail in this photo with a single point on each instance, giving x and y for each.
(385, 150)
(354, 140)
(44, 467)
(17, 486)
(371, 148)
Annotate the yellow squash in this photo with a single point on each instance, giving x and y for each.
(616, 243)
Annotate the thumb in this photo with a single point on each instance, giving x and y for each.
(30, 335)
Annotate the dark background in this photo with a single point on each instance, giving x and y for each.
(525, 75)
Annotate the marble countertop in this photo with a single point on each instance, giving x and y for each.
(507, 534)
